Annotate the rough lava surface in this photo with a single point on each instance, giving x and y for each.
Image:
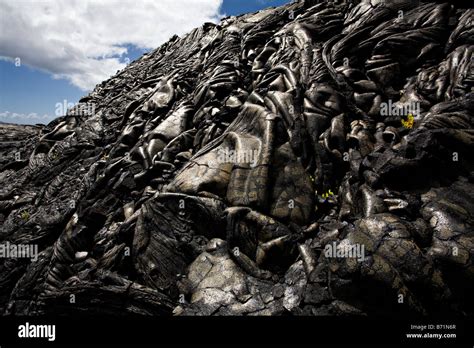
(231, 171)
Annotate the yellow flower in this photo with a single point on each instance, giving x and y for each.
(409, 122)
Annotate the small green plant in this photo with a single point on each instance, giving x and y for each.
(24, 215)
(327, 194)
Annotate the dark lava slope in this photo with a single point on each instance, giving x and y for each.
(308, 159)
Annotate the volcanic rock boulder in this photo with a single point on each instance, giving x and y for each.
(312, 159)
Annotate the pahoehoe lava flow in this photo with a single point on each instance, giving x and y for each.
(309, 159)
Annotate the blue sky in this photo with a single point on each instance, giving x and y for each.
(53, 67)
(237, 7)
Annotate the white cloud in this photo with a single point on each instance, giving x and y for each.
(31, 118)
(83, 40)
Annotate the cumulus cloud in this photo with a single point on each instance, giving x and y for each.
(31, 118)
(85, 41)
